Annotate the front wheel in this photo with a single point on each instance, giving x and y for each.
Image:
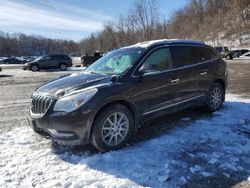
(215, 97)
(34, 68)
(112, 128)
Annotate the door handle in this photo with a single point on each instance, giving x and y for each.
(175, 80)
(203, 73)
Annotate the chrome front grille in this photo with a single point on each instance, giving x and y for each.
(40, 104)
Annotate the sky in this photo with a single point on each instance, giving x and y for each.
(68, 19)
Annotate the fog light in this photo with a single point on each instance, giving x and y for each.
(60, 134)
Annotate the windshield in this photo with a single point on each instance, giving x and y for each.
(39, 58)
(116, 62)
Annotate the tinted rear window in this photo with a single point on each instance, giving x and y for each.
(201, 54)
(65, 57)
(182, 56)
(188, 55)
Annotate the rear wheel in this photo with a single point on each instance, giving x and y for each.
(215, 97)
(63, 67)
(112, 128)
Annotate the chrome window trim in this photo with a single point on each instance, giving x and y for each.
(174, 69)
(171, 105)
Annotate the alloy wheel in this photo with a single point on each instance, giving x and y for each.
(34, 68)
(63, 67)
(115, 129)
(216, 98)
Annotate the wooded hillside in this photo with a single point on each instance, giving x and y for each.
(24, 45)
(219, 22)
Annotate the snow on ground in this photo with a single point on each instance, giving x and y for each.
(243, 59)
(213, 149)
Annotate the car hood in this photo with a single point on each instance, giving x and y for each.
(66, 84)
(32, 62)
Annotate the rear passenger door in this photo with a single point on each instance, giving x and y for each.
(53, 63)
(187, 72)
(207, 63)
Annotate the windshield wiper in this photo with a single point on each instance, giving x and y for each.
(92, 72)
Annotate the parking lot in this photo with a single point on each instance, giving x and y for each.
(190, 148)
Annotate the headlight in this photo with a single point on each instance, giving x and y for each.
(74, 100)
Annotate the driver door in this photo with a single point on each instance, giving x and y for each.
(157, 87)
(47, 62)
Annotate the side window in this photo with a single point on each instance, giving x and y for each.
(65, 57)
(210, 53)
(248, 55)
(54, 57)
(182, 56)
(46, 58)
(202, 54)
(158, 60)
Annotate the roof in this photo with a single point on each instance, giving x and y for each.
(150, 43)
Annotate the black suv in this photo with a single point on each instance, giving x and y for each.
(49, 62)
(105, 104)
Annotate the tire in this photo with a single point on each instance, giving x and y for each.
(215, 97)
(63, 67)
(105, 135)
(34, 68)
(229, 57)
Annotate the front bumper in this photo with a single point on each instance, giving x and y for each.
(26, 67)
(64, 128)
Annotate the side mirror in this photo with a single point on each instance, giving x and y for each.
(146, 68)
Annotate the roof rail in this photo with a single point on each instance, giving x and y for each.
(166, 41)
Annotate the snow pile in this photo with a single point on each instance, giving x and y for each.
(215, 148)
(76, 68)
(76, 58)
